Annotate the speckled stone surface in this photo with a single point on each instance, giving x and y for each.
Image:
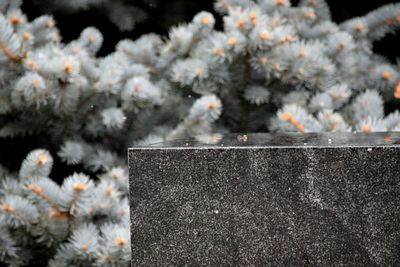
(270, 200)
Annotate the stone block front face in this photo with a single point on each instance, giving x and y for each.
(267, 200)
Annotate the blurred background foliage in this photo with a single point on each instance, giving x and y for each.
(162, 14)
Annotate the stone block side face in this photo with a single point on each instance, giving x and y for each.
(265, 206)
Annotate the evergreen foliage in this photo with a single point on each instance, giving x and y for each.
(273, 67)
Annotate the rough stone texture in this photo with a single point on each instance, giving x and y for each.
(273, 200)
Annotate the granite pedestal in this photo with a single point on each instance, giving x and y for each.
(267, 200)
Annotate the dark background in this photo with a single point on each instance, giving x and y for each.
(161, 17)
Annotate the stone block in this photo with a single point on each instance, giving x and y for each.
(267, 200)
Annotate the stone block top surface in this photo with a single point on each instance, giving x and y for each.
(283, 140)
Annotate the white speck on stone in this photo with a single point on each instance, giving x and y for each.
(242, 138)
(330, 141)
(369, 149)
(216, 211)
